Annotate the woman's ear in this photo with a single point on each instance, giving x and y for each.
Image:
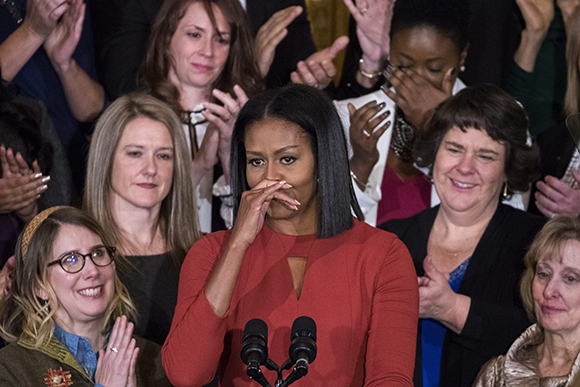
(463, 56)
(41, 293)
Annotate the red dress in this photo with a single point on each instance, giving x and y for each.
(360, 287)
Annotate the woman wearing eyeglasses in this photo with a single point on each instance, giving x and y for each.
(67, 314)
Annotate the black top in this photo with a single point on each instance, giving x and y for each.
(152, 285)
(496, 316)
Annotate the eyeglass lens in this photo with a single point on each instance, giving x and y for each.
(74, 261)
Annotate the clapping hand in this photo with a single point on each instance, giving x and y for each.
(364, 136)
(64, 38)
(373, 24)
(271, 34)
(116, 365)
(318, 69)
(20, 187)
(556, 198)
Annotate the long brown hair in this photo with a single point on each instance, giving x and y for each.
(240, 68)
(178, 215)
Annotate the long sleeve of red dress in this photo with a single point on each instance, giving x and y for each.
(360, 288)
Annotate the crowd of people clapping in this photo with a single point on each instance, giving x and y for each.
(173, 169)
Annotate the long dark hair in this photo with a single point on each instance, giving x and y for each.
(313, 111)
(24, 119)
(240, 68)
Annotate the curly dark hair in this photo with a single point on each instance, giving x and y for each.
(449, 17)
(485, 107)
(24, 119)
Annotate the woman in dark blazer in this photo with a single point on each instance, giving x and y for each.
(468, 250)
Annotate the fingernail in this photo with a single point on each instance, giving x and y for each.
(7, 289)
(43, 188)
(295, 208)
(10, 276)
(47, 178)
(373, 102)
(382, 104)
(282, 182)
(297, 202)
(37, 175)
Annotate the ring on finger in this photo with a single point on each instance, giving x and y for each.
(114, 349)
(364, 10)
(366, 133)
(553, 215)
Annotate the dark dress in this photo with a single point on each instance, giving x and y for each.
(496, 316)
(152, 285)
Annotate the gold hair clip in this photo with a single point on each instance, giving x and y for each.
(33, 226)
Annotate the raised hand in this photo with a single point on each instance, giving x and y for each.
(63, 40)
(20, 187)
(271, 34)
(373, 23)
(416, 96)
(254, 205)
(116, 366)
(318, 69)
(568, 8)
(538, 14)
(223, 119)
(556, 198)
(42, 16)
(364, 137)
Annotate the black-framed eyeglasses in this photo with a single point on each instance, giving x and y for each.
(75, 261)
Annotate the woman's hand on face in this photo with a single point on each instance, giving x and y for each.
(42, 16)
(224, 117)
(556, 198)
(63, 40)
(254, 205)
(271, 34)
(364, 136)
(116, 366)
(20, 187)
(416, 96)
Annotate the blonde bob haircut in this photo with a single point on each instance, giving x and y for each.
(23, 312)
(546, 247)
(572, 98)
(178, 220)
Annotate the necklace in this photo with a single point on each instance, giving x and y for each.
(403, 137)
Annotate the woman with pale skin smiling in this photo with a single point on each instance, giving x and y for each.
(468, 250)
(295, 250)
(200, 61)
(66, 314)
(139, 189)
(546, 354)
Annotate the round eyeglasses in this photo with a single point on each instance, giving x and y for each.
(75, 261)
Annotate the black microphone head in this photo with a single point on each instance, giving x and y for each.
(256, 327)
(303, 336)
(303, 324)
(255, 342)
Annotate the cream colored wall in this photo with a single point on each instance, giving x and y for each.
(328, 21)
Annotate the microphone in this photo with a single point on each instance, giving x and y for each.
(255, 349)
(302, 349)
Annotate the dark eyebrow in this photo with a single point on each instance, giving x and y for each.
(221, 33)
(281, 150)
(481, 150)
